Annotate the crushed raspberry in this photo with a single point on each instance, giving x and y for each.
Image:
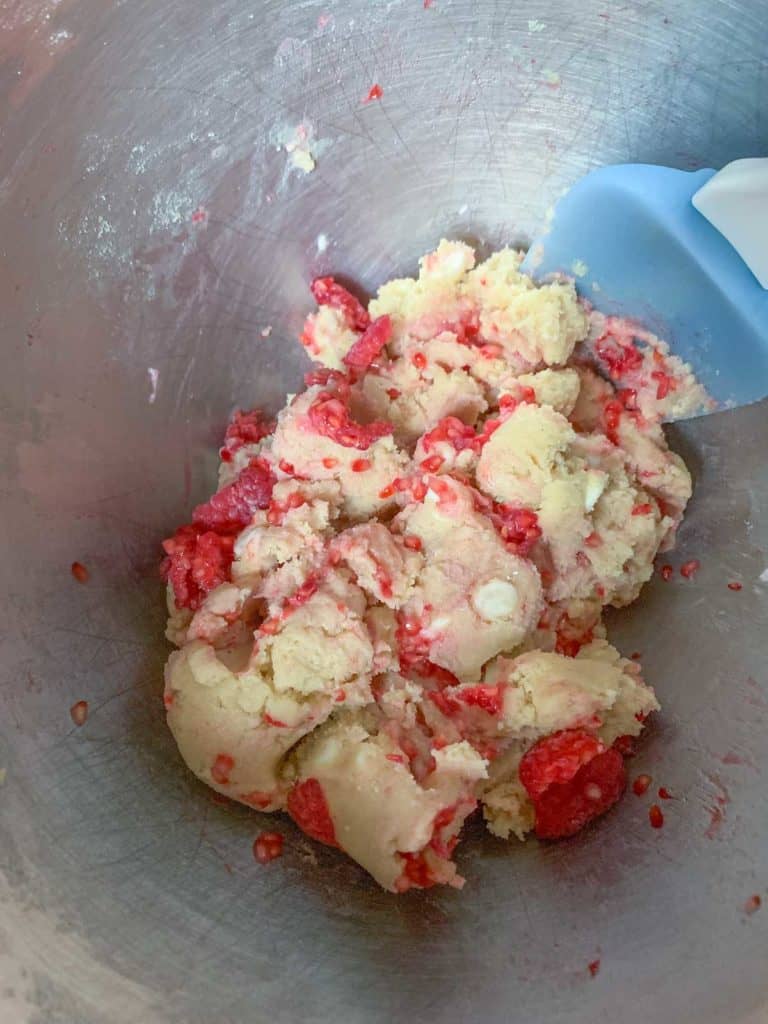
(612, 413)
(625, 745)
(278, 509)
(234, 505)
(689, 569)
(569, 646)
(328, 379)
(416, 873)
(369, 345)
(386, 492)
(450, 429)
(655, 816)
(271, 626)
(309, 809)
(593, 968)
(412, 542)
(330, 463)
(268, 846)
(168, 699)
(432, 464)
(257, 799)
(641, 784)
(664, 793)
(413, 652)
(79, 712)
(735, 585)
(753, 904)
(488, 698)
(397, 758)
(644, 509)
(628, 398)
(419, 360)
(666, 573)
(484, 696)
(196, 563)
(374, 93)
(393, 393)
(328, 292)
(519, 527)
(80, 572)
(593, 540)
(564, 808)
(246, 428)
(361, 465)
(664, 383)
(556, 759)
(619, 359)
(286, 467)
(274, 722)
(221, 768)
(330, 418)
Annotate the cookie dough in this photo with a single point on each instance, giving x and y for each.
(389, 614)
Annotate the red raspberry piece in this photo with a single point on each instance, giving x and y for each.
(519, 527)
(221, 768)
(330, 418)
(641, 784)
(233, 506)
(309, 809)
(374, 93)
(619, 359)
(451, 429)
(368, 346)
(80, 572)
(689, 569)
(488, 698)
(644, 509)
(612, 413)
(267, 846)
(655, 816)
(664, 383)
(328, 378)
(565, 808)
(416, 873)
(79, 712)
(247, 428)
(196, 562)
(328, 292)
(556, 759)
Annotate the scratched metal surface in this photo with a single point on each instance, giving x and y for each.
(150, 218)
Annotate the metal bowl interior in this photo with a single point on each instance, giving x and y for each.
(157, 241)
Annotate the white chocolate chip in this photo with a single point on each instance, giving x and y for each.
(595, 485)
(496, 599)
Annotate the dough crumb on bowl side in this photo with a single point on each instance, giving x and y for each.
(390, 612)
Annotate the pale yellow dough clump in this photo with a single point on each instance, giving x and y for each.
(409, 616)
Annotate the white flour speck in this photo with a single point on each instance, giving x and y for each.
(266, 331)
(534, 25)
(763, 577)
(153, 377)
(322, 243)
(579, 268)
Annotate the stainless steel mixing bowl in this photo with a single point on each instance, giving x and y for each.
(156, 247)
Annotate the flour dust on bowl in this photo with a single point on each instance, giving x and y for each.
(172, 180)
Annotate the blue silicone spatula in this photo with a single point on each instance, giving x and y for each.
(685, 253)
